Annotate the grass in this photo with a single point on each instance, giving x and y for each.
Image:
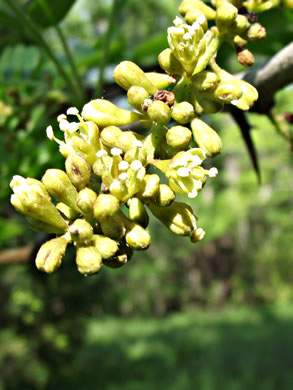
(235, 349)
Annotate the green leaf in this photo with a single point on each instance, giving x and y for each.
(47, 13)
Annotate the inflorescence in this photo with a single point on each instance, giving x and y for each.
(108, 170)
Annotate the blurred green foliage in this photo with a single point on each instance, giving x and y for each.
(246, 257)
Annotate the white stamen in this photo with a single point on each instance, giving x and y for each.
(177, 21)
(196, 160)
(195, 26)
(50, 132)
(64, 125)
(116, 152)
(123, 165)
(72, 111)
(123, 176)
(137, 143)
(73, 127)
(192, 194)
(183, 172)
(201, 19)
(187, 36)
(101, 153)
(136, 165)
(61, 117)
(213, 172)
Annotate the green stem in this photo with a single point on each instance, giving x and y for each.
(106, 46)
(29, 24)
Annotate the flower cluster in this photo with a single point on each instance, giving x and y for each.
(100, 202)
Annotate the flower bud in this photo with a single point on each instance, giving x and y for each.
(32, 199)
(50, 254)
(79, 145)
(85, 201)
(228, 90)
(150, 186)
(78, 170)
(127, 140)
(134, 154)
(121, 257)
(127, 74)
(114, 227)
(66, 211)
(159, 112)
(43, 226)
(256, 32)
(60, 187)
(206, 138)
(81, 231)
(160, 80)
(169, 62)
(109, 136)
(137, 212)
(182, 112)
(138, 238)
(165, 196)
(105, 245)
(102, 165)
(245, 58)
(226, 14)
(104, 113)
(195, 15)
(197, 235)
(205, 81)
(178, 137)
(93, 136)
(105, 206)
(240, 24)
(136, 96)
(178, 217)
(188, 5)
(88, 260)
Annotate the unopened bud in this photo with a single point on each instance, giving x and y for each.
(80, 145)
(60, 187)
(81, 231)
(88, 260)
(256, 32)
(206, 138)
(240, 24)
(127, 74)
(137, 212)
(178, 217)
(195, 15)
(136, 96)
(50, 255)
(134, 154)
(245, 58)
(197, 235)
(178, 137)
(66, 211)
(109, 136)
(105, 113)
(114, 227)
(78, 170)
(182, 112)
(226, 14)
(228, 90)
(105, 206)
(169, 62)
(165, 196)
(205, 81)
(85, 201)
(187, 5)
(161, 80)
(150, 187)
(159, 112)
(105, 245)
(138, 238)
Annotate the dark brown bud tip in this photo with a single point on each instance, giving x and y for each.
(166, 97)
(245, 58)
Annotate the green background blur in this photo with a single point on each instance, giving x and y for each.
(216, 315)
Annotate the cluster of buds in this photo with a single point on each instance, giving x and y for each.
(100, 202)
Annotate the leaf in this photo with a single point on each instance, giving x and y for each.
(47, 13)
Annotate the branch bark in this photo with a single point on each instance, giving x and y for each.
(270, 78)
